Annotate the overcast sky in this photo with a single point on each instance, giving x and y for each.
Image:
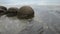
(27, 2)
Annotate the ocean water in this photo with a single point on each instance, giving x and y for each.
(45, 21)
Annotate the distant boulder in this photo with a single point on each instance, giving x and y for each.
(12, 11)
(25, 12)
(2, 12)
(3, 7)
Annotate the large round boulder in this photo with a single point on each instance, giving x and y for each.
(25, 12)
(12, 11)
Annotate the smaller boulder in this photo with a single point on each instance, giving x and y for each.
(12, 11)
(2, 12)
(3, 7)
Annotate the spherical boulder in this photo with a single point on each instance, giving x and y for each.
(12, 11)
(3, 7)
(2, 12)
(25, 12)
